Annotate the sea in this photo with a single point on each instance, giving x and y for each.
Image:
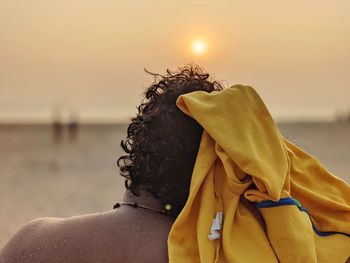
(64, 171)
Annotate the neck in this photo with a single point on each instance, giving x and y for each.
(145, 198)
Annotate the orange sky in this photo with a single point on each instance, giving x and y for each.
(89, 55)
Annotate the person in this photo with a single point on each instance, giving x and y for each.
(160, 152)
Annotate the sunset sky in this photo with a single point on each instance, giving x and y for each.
(88, 56)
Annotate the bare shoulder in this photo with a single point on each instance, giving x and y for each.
(126, 235)
(31, 242)
(58, 239)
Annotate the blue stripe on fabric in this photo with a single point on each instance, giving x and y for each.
(292, 201)
(281, 202)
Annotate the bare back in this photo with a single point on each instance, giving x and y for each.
(126, 234)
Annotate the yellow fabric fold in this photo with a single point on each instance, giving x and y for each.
(243, 163)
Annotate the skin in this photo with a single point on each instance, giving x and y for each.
(126, 234)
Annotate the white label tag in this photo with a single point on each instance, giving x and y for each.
(215, 227)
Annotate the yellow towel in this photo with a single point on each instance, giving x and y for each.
(278, 203)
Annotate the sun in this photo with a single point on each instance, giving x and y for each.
(199, 47)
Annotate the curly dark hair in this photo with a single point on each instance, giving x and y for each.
(162, 142)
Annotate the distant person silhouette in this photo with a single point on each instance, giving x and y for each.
(57, 131)
(73, 130)
(73, 126)
(57, 127)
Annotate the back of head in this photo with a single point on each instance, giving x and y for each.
(162, 142)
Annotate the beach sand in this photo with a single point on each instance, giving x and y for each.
(40, 177)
